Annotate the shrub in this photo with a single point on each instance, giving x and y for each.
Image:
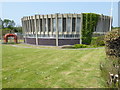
(80, 46)
(112, 42)
(98, 41)
(111, 66)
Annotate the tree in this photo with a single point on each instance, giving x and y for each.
(8, 23)
(0, 23)
(18, 29)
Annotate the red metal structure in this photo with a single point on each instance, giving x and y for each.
(10, 35)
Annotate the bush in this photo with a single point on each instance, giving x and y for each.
(98, 41)
(80, 46)
(112, 43)
(111, 66)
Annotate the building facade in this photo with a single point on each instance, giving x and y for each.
(58, 29)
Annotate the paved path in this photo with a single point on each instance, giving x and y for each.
(53, 48)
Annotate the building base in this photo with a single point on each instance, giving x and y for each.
(51, 41)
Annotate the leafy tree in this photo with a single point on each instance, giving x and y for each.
(0, 23)
(18, 29)
(6, 23)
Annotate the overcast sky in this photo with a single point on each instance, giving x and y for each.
(16, 10)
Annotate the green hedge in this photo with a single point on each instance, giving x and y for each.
(80, 46)
(111, 66)
(89, 23)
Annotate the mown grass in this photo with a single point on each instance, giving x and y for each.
(37, 46)
(51, 68)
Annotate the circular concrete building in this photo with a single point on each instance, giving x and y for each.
(56, 29)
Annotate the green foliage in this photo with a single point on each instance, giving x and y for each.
(6, 23)
(98, 41)
(8, 26)
(115, 27)
(4, 31)
(18, 29)
(109, 66)
(89, 23)
(7, 29)
(80, 46)
(0, 23)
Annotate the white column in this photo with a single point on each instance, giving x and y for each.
(62, 24)
(29, 25)
(36, 31)
(32, 24)
(101, 17)
(23, 28)
(26, 25)
(111, 15)
(81, 28)
(110, 23)
(43, 24)
(71, 24)
(76, 25)
(47, 24)
(51, 25)
(67, 24)
(40, 24)
(56, 29)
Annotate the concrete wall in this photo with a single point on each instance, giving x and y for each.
(68, 41)
(43, 41)
(30, 40)
(103, 24)
(52, 42)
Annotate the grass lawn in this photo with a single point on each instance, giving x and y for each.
(51, 68)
